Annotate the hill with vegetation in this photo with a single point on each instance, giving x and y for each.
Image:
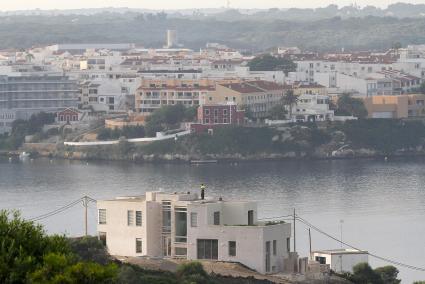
(352, 139)
(251, 32)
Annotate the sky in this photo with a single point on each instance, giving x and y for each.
(7, 5)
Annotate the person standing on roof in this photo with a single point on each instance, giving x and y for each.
(203, 191)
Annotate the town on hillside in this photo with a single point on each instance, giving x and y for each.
(81, 94)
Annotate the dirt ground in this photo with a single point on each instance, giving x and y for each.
(222, 268)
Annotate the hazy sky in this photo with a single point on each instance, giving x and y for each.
(183, 4)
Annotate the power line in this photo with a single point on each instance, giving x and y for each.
(278, 217)
(61, 209)
(305, 222)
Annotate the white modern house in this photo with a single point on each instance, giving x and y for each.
(312, 107)
(340, 260)
(181, 225)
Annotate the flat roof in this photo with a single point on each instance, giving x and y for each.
(341, 251)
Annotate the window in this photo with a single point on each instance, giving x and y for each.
(321, 259)
(180, 251)
(268, 256)
(194, 219)
(224, 111)
(274, 247)
(224, 120)
(232, 248)
(102, 237)
(130, 217)
(207, 112)
(250, 217)
(207, 249)
(207, 120)
(138, 245)
(180, 225)
(217, 218)
(139, 218)
(102, 216)
(288, 244)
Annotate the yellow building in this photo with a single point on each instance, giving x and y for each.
(416, 105)
(256, 96)
(310, 89)
(401, 106)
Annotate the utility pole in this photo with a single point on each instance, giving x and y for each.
(309, 238)
(85, 204)
(295, 242)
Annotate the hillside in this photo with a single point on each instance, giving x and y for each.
(252, 32)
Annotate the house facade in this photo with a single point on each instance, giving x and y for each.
(181, 225)
(257, 96)
(215, 115)
(341, 260)
(312, 108)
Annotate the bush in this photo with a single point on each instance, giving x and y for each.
(192, 273)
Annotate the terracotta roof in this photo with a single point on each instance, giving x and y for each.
(255, 86)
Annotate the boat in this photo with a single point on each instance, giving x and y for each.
(203, 161)
(24, 155)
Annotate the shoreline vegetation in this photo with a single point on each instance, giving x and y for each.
(365, 138)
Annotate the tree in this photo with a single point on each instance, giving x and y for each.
(271, 63)
(388, 274)
(347, 105)
(192, 273)
(168, 117)
(29, 255)
(23, 245)
(364, 274)
(278, 112)
(61, 268)
(290, 99)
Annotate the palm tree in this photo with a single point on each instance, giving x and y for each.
(290, 99)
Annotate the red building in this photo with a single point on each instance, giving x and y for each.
(210, 116)
(68, 115)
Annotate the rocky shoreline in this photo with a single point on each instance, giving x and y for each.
(349, 154)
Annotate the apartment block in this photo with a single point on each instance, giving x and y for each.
(22, 96)
(153, 94)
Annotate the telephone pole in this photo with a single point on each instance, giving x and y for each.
(85, 204)
(309, 238)
(295, 242)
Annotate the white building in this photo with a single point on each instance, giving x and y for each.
(172, 40)
(312, 107)
(340, 260)
(180, 225)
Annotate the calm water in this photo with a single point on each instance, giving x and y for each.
(381, 203)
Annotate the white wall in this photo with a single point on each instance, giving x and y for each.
(121, 238)
(343, 262)
(250, 240)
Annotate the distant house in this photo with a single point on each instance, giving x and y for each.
(257, 96)
(340, 260)
(215, 115)
(68, 115)
(312, 108)
(401, 106)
